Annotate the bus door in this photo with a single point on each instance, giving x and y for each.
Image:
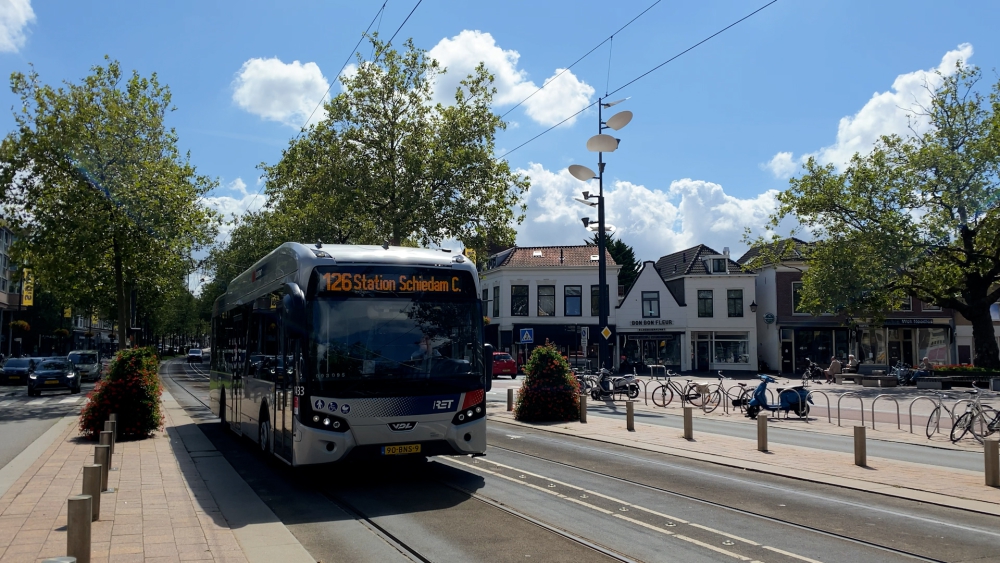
(286, 378)
(236, 363)
(262, 367)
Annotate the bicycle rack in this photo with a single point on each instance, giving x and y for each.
(910, 410)
(654, 368)
(852, 394)
(875, 400)
(645, 386)
(829, 420)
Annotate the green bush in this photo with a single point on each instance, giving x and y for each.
(550, 393)
(131, 390)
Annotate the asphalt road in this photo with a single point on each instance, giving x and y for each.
(23, 419)
(538, 496)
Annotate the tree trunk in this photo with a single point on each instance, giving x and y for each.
(986, 353)
(120, 302)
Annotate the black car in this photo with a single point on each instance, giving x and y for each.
(53, 374)
(15, 370)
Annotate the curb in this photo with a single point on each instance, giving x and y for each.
(261, 535)
(10, 473)
(937, 499)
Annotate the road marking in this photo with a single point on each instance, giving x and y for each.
(477, 467)
(5, 403)
(70, 400)
(37, 402)
(792, 555)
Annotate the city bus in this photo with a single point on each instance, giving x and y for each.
(323, 353)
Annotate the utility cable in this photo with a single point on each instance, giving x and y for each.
(585, 55)
(404, 22)
(611, 50)
(748, 16)
(630, 82)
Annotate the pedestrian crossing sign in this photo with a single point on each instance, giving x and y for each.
(527, 335)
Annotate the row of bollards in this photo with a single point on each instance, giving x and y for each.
(86, 508)
(991, 447)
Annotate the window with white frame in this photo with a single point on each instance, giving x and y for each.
(650, 304)
(546, 301)
(705, 306)
(734, 302)
(906, 305)
(573, 300)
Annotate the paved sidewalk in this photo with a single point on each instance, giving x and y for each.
(161, 509)
(925, 483)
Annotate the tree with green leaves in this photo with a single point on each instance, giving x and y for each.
(389, 165)
(918, 216)
(623, 255)
(101, 199)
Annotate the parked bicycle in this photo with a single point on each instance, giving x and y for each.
(981, 420)
(934, 420)
(689, 392)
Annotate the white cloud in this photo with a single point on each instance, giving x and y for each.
(230, 207)
(282, 92)
(886, 113)
(653, 221)
(782, 165)
(463, 52)
(15, 15)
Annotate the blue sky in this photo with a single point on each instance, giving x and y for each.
(715, 132)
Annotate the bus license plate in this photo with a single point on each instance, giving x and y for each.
(401, 450)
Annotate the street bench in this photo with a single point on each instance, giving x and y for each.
(878, 381)
(849, 378)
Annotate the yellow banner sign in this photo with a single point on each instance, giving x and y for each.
(28, 289)
(94, 320)
(68, 313)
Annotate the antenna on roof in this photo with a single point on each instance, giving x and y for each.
(385, 244)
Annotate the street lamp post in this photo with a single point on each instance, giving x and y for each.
(601, 144)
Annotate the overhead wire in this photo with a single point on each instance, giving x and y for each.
(585, 55)
(378, 15)
(630, 82)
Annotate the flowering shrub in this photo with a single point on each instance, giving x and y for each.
(20, 325)
(550, 392)
(61, 332)
(132, 391)
(962, 368)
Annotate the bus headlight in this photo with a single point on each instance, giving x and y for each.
(315, 418)
(326, 422)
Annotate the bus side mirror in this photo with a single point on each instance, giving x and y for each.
(488, 362)
(293, 314)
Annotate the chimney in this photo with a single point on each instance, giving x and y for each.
(561, 256)
(725, 251)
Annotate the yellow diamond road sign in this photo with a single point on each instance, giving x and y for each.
(606, 333)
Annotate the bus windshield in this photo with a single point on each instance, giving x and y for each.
(391, 346)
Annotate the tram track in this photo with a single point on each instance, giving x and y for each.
(713, 504)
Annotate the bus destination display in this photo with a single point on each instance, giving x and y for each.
(394, 280)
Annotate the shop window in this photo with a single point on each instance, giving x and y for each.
(650, 304)
(496, 301)
(734, 299)
(732, 348)
(519, 301)
(797, 298)
(705, 303)
(573, 300)
(932, 343)
(546, 301)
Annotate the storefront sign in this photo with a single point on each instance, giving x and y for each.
(909, 322)
(769, 318)
(653, 322)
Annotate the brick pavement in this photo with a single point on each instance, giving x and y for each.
(160, 510)
(926, 483)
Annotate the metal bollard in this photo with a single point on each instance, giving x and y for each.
(92, 488)
(78, 528)
(688, 425)
(106, 441)
(991, 451)
(109, 426)
(762, 432)
(860, 447)
(102, 457)
(630, 415)
(510, 399)
(113, 417)
(583, 408)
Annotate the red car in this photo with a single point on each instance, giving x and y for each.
(503, 364)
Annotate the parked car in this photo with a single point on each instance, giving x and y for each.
(503, 364)
(53, 374)
(194, 355)
(86, 364)
(16, 370)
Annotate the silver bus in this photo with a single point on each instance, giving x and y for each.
(323, 353)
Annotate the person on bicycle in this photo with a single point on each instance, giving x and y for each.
(833, 370)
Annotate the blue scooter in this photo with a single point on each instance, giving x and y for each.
(795, 399)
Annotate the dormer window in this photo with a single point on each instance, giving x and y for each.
(594, 258)
(719, 266)
(536, 254)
